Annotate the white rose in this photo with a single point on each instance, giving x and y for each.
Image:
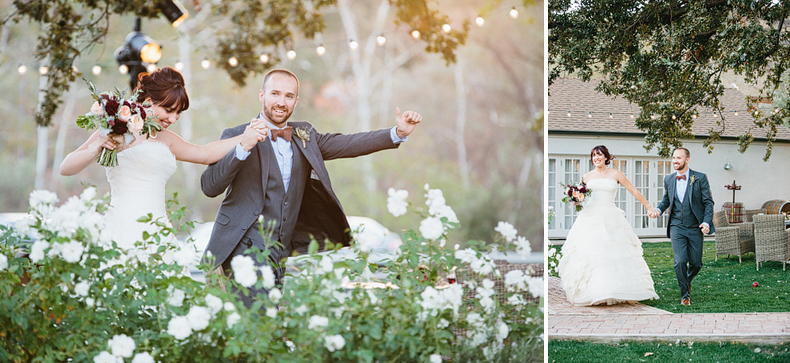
(176, 297)
(213, 303)
(523, 247)
(37, 250)
(72, 251)
(435, 358)
(135, 123)
(106, 357)
(271, 312)
(506, 230)
(88, 194)
(233, 319)
(502, 331)
(396, 202)
(199, 318)
(317, 322)
(326, 265)
(244, 270)
(431, 228)
(229, 306)
(186, 256)
(275, 295)
(334, 342)
(143, 357)
(122, 346)
(179, 328)
(3, 262)
(97, 108)
(82, 288)
(42, 197)
(268, 277)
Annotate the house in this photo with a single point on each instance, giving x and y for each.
(580, 118)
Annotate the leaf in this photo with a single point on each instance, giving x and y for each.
(648, 354)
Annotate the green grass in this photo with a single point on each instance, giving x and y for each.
(723, 286)
(574, 351)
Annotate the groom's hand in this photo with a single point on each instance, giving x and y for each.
(406, 122)
(704, 228)
(255, 132)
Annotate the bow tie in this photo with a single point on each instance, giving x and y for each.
(679, 177)
(285, 133)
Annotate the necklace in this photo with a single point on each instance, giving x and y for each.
(596, 170)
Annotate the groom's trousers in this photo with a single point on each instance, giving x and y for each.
(277, 254)
(687, 250)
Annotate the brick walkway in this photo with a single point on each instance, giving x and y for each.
(641, 322)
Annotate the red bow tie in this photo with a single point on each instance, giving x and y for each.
(679, 177)
(285, 133)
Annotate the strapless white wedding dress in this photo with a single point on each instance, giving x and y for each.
(602, 259)
(137, 187)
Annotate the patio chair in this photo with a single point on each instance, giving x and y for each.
(771, 239)
(748, 214)
(732, 239)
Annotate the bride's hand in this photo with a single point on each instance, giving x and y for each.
(255, 132)
(102, 142)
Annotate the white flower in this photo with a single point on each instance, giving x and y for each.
(372, 296)
(176, 296)
(90, 302)
(271, 312)
(301, 309)
(41, 197)
(37, 250)
(22, 226)
(97, 109)
(523, 247)
(516, 300)
(487, 303)
(502, 330)
(213, 303)
(291, 346)
(186, 256)
(82, 288)
(229, 306)
(486, 290)
(535, 286)
(268, 277)
(233, 319)
(143, 357)
(367, 239)
(443, 211)
(396, 202)
(275, 295)
(244, 270)
(515, 280)
(135, 123)
(435, 198)
(72, 251)
(106, 357)
(179, 328)
(122, 346)
(317, 321)
(199, 318)
(334, 342)
(326, 265)
(431, 228)
(475, 320)
(506, 230)
(3, 262)
(466, 255)
(435, 358)
(483, 265)
(443, 323)
(88, 194)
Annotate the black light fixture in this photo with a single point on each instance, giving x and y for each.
(137, 51)
(173, 11)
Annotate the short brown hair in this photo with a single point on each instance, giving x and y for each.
(165, 87)
(283, 71)
(688, 154)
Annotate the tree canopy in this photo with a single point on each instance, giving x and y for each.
(255, 27)
(668, 57)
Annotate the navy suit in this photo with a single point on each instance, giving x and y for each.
(683, 225)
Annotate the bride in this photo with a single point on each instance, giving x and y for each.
(137, 183)
(602, 261)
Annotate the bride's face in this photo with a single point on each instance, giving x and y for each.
(598, 159)
(166, 115)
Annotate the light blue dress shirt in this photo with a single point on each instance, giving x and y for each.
(681, 185)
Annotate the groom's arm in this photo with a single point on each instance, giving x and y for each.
(707, 200)
(665, 201)
(218, 176)
(336, 146)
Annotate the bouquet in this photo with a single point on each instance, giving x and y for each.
(118, 118)
(575, 193)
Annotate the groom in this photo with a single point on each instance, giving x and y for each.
(687, 196)
(281, 178)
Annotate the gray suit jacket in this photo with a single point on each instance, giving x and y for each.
(244, 182)
(701, 201)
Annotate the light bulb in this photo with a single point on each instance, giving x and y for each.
(22, 69)
(264, 58)
(736, 113)
(480, 21)
(151, 68)
(179, 65)
(694, 116)
(205, 63)
(589, 114)
(43, 70)
(291, 54)
(233, 61)
(96, 70)
(673, 117)
(569, 114)
(632, 115)
(776, 110)
(652, 117)
(380, 40)
(75, 69)
(415, 34)
(513, 13)
(446, 28)
(123, 69)
(353, 44)
(320, 50)
(610, 115)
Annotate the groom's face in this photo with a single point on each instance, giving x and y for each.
(679, 160)
(279, 98)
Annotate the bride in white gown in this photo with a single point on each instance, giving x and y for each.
(602, 261)
(137, 183)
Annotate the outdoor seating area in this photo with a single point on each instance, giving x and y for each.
(732, 239)
(763, 231)
(771, 239)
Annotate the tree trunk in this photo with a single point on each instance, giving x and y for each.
(43, 135)
(185, 121)
(460, 122)
(60, 144)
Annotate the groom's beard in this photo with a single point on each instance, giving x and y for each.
(267, 111)
(680, 166)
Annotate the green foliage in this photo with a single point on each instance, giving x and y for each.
(678, 351)
(669, 57)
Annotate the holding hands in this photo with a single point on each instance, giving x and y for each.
(406, 122)
(255, 132)
(653, 212)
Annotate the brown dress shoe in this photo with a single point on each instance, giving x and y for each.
(685, 302)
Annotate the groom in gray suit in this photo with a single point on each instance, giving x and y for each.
(687, 196)
(281, 178)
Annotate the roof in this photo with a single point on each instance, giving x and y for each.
(595, 112)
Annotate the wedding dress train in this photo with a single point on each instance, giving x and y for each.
(602, 259)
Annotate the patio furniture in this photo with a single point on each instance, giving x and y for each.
(732, 239)
(748, 214)
(771, 239)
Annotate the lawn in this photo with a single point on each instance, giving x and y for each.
(573, 351)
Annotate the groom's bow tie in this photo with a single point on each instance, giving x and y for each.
(285, 133)
(680, 177)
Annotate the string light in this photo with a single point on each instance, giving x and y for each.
(415, 34)
(75, 69)
(776, 110)
(694, 116)
(179, 65)
(320, 50)
(513, 13)
(652, 117)
(233, 61)
(569, 114)
(22, 69)
(736, 113)
(43, 70)
(714, 113)
(380, 40)
(151, 68)
(673, 117)
(264, 58)
(123, 69)
(589, 114)
(96, 70)
(205, 63)
(446, 28)
(610, 115)
(480, 21)
(353, 44)
(632, 115)
(291, 54)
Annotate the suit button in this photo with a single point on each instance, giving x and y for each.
(256, 213)
(285, 204)
(285, 219)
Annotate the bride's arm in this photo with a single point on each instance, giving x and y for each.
(631, 189)
(209, 153)
(77, 160)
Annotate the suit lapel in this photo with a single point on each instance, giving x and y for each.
(265, 154)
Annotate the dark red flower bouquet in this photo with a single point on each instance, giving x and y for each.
(575, 193)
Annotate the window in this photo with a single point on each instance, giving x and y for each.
(664, 169)
(642, 184)
(572, 175)
(553, 184)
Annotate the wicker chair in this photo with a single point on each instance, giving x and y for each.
(771, 239)
(732, 239)
(748, 214)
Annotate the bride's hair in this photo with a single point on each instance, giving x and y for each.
(604, 151)
(165, 87)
